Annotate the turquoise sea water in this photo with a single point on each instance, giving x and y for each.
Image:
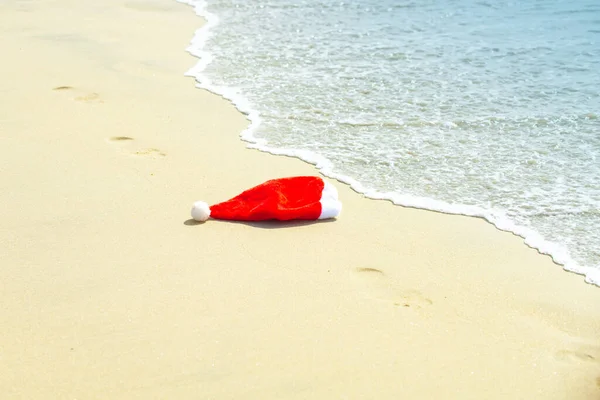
(484, 108)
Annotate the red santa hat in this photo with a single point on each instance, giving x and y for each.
(300, 197)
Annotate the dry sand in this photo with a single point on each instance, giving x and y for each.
(109, 291)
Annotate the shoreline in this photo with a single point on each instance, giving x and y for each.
(109, 291)
(532, 239)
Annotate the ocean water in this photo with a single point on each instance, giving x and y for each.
(487, 108)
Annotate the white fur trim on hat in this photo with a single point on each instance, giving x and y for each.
(330, 205)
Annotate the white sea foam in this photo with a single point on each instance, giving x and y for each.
(313, 155)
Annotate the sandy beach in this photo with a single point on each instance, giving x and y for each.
(110, 291)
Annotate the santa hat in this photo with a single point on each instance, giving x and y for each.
(300, 197)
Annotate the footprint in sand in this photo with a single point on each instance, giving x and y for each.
(583, 354)
(120, 138)
(153, 153)
(86, 98)
(125, 144)
(375, 284)
(90, 98)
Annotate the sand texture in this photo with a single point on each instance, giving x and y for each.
(109, 291)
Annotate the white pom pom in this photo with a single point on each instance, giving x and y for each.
(200, 211)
